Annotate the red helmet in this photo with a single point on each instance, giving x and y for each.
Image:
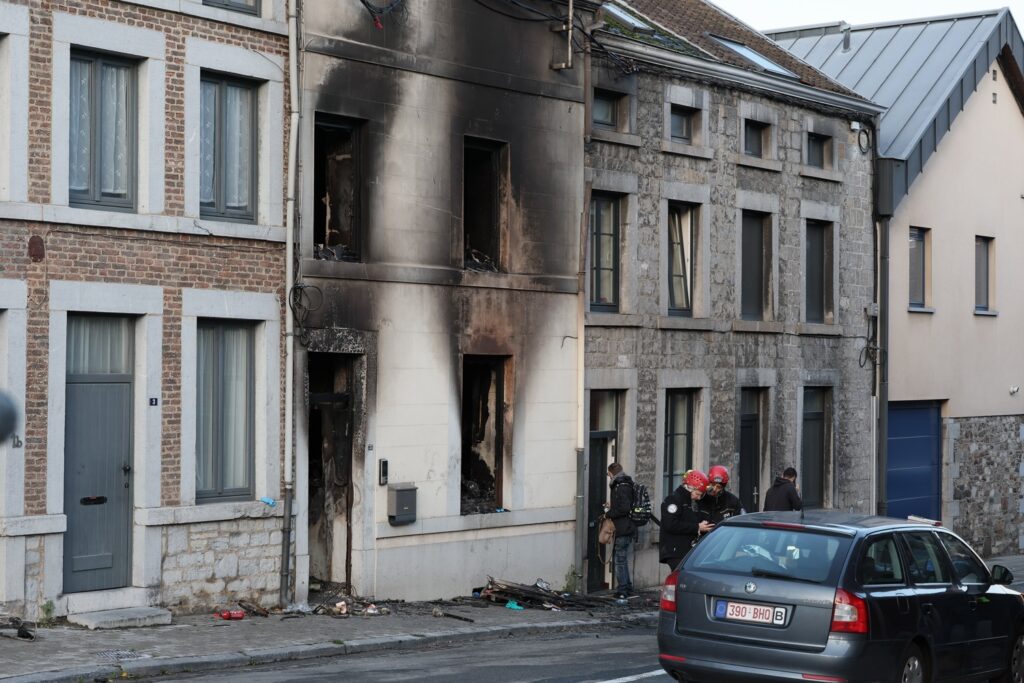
(696, 480)
(719, 475)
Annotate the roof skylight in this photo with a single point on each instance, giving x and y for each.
(754, 56)
(626, 18)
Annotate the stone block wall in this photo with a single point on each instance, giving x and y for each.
(984, 482)
(221, 563)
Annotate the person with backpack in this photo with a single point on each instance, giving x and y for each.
(717, 503)
(682, 520)
(619, 508)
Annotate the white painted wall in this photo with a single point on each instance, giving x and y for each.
(972, 185)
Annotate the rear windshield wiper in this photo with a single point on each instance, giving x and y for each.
(767, 573)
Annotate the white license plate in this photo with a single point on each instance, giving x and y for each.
(743, 611)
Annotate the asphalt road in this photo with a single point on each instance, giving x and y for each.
(620, 656)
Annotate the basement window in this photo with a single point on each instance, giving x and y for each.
(483, 181)
(484, 432)
(336, 187)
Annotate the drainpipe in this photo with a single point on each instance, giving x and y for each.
(289, 325)
(883, 213)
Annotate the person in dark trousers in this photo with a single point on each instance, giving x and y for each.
(717, 503)
(783, 495)
(682, 521)
(621, 500)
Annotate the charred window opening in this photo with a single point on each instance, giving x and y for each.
(483, 179)
(483, 433)
(331, 432)
(336, 187)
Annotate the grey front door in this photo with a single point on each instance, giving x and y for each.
(97, 453)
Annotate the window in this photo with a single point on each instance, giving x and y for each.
(917, 266)
(818, 272)
(754, 56)
(483, 180)
(814, 448)
(225, 410)
(246, 6)
(967, 567)
(228, 146)
(754, 134)
(682, 120)
(982, 262)
(678, 437)
(926, 561)
(102, 150)
(605, 110)
(604, 253)
(880, 563)
(754, 257)
(819, 150)
(337, 186)
(682, 239)
(484, 443)
(605, 405)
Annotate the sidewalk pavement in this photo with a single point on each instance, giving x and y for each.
(204, 643)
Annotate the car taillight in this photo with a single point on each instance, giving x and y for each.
(849, 613)
(668, 593)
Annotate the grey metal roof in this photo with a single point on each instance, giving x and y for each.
(921, 70)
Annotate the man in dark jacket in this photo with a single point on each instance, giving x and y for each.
(682, 521)
(718, 503)
(783, 494)
(621, 502)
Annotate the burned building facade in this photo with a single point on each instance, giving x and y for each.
(437, 301)
(730, 265)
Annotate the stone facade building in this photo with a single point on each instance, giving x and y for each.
(730, 271)
(141, 302)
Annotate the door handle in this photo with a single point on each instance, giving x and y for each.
(126, 469)
(973, 604)
(927, 608)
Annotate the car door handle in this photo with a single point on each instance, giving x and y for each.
(927, 608)
(973, 604)
(903, 605)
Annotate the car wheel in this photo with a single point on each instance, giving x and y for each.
(1015, 672)
(913, 669)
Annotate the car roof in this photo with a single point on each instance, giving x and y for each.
(831, 521)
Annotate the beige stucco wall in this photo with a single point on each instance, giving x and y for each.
(972, 185)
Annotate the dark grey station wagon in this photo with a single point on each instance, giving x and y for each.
(828, 596)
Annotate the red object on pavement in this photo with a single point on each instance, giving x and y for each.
(230, 614)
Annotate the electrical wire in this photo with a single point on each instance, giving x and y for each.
(381, 11)
(506, 14)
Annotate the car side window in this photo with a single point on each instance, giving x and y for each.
(966, 565)
(880, 563)
(926, 562)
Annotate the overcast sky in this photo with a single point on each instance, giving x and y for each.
(771, 14)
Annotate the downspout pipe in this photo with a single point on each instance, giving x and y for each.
(883, 181)
(284, 592)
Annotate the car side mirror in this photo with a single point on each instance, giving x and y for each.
(1001, 575)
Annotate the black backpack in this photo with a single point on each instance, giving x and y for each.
(640, 510)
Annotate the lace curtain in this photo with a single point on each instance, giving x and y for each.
(223, 407)
(111, 104)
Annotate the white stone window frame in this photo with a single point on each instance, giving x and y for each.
(835, 164)
(264, 311)
(696, 100)
(699, 382)
(755, 111)
(767, 204)
(626, 186)
(700, 197)
(827, 213)
(13, 341)
(271, 19)
(14, 61)
(144, 46)
(145, 303)
(268, 71)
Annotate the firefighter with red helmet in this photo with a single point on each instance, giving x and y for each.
(719, 504)
(682, 520)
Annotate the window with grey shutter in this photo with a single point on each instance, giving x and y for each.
(604, 253)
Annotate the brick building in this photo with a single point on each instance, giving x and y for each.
(141, 302)
(730, 264)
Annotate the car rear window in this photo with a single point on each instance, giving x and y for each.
(783, 553)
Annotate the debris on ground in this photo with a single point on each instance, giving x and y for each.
(538, 596)
(438, 612)
(252, 609)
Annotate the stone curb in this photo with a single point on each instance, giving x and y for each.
(161, 666)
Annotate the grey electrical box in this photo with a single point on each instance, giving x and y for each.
(401, 504)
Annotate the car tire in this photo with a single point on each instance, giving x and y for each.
(1015, 666)
(913, 667)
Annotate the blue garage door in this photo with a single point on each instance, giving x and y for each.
(914, 474)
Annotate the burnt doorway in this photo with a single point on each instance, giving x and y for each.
(750, 449)
(331, 432)
(602, 449)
